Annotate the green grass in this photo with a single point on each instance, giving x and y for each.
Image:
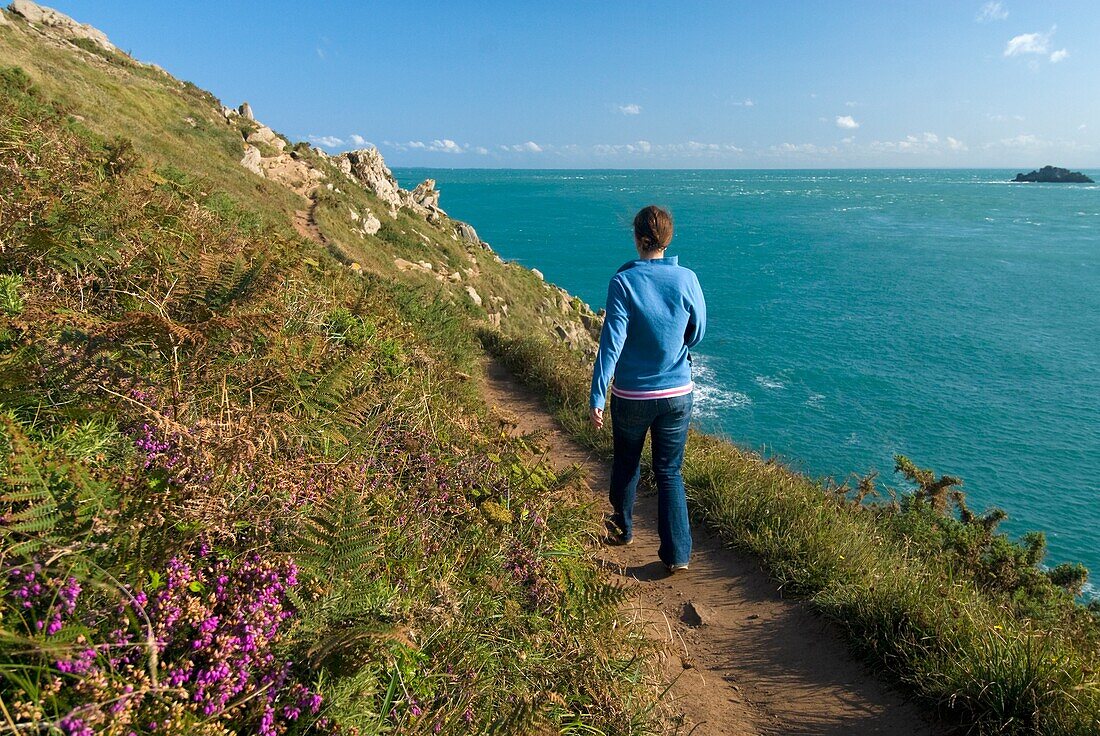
(960, 616)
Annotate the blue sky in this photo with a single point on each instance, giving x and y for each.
(646, 84)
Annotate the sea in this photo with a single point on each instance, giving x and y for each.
(947, 315)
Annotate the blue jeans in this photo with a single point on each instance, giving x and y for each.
(668, 420)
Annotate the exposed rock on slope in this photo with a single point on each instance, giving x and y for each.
(59, 23)
(252, 160)
(1054, 175)
(367, 167)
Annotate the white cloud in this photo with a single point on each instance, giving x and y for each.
(851, 104)
(481, 150)
(927, 143)
(803, 149)
(528, 147)
(1082, 126)
(745, 103)
(645, 148)
(847, 122)
(1024, 140)
(631, 109)
(1029, 43)
(327, 141)
(320, 53)
(991, 11)
(445, 146)
(1059, 55)
(359, 140)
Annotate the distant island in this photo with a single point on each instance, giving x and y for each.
(1054, 175)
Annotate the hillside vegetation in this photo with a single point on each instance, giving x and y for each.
(247, 487)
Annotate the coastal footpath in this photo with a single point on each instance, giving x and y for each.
(257, 481)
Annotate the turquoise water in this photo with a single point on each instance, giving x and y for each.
(946, 315)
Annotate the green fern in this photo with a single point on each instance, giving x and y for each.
(45, 501)
(339, 540)
(30, 509)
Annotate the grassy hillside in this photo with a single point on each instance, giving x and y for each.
(247, 488)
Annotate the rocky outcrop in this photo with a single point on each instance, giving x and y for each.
(267, 136)
(426, 195)
(245, 111)
(1054, 175)
(3, 18)
(252, 160)
(367, 167)
(60, 24)
(466, 233)
(292, 172)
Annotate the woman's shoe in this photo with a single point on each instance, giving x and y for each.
(618, 539)
(673, 569)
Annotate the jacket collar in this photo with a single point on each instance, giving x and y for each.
(666, 261)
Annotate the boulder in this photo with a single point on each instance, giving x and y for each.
(367, 167)
(59, 23)
(371, 224)
(467, 233)
(3, 18)
(426, 195)
(266, 135)
(538, 273)
(474, 295)
(1054, 175)
(252, 160)
(245, 111)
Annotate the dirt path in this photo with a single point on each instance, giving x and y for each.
(307, 226)
(744, 660)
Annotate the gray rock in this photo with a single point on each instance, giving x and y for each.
(1054, 175)
(266, 135)
(466, 231)
(367, 167)
(59, 23)
(252, 160)
(426, 195)
(693, 615)
(538, 273)
(371, 224)
(474, 295)
(245, 111)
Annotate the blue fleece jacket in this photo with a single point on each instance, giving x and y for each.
(655, 315)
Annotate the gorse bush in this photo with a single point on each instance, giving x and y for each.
(962, 616)
(248, 491)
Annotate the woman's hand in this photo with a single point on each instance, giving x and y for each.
(597, 418)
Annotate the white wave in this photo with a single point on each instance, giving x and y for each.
(815, 400)
(712, 399)
(769, 382)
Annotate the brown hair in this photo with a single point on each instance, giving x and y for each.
(653, 228)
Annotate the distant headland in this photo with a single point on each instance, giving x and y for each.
(1054, 175)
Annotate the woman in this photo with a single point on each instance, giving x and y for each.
(655, 315)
